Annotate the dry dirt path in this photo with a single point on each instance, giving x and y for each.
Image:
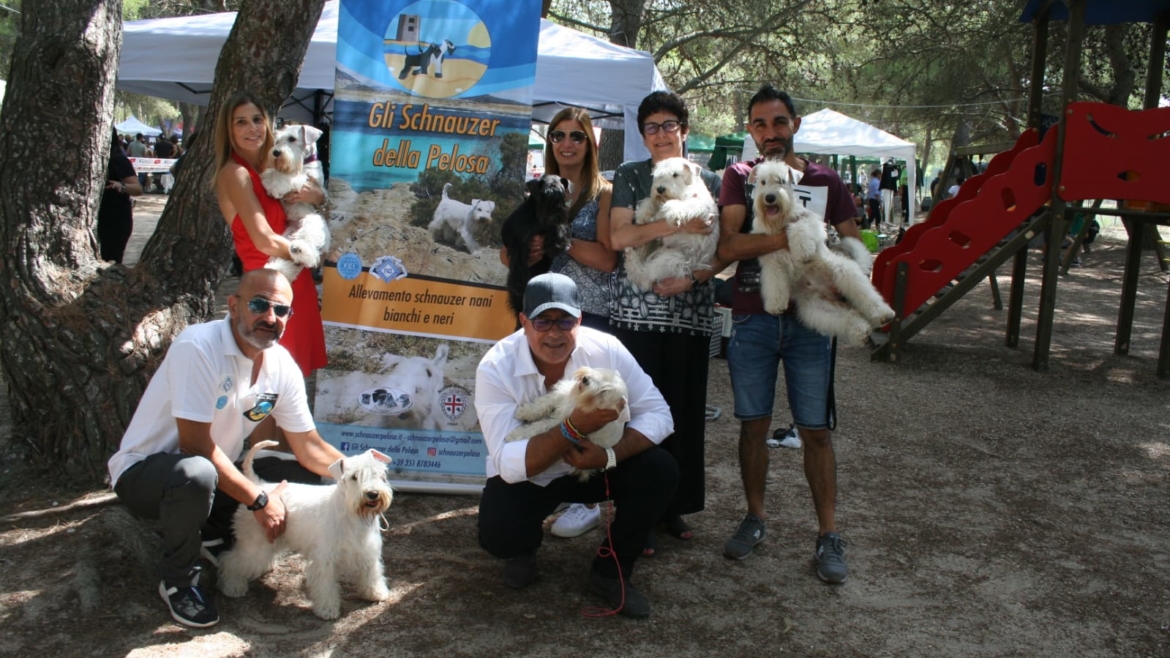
(990, 511)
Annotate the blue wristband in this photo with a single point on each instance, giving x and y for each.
(570, 437)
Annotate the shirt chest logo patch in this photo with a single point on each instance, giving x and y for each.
(265, 402)
(227, 384)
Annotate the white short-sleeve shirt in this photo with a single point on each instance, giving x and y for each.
(507, 377)
(207, 379)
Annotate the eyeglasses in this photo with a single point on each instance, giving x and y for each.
(669, 126)
(558, 136)
(261, 305)
(564, 324)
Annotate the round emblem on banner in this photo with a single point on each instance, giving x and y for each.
(349, 266)
(437, 49)
(453, 401)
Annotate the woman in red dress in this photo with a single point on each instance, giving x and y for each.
(243, 143)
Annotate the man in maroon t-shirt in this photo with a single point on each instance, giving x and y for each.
(760, 341)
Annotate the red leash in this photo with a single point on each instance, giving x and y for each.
(604, 552)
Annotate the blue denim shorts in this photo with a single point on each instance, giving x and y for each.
(759, 342)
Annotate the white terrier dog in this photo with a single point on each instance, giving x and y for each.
(588, 389)
(462, 218)
(335, 527)
(306, 232)
(677, 196)
(832, 292)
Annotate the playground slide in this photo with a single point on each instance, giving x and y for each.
(986, 209)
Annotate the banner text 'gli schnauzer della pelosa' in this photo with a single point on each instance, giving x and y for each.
(432, 109)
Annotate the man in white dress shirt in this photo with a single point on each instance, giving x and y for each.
(527, 479)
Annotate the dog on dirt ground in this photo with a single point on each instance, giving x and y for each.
(588, 389)
(307, 232)
(336, 528)
(833, 295)
(544, 215)
(462, 218)
(677, 196)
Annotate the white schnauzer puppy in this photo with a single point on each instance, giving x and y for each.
(677, 196)
(588, 389)
(336, 527)
(462, 218)
(832, 292)
(307, 233)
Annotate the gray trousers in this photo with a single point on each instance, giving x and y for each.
(180, 491)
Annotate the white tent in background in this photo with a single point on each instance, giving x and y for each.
(132, 126)
(175, 58)
(832, 133)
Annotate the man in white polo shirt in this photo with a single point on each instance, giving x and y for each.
(219, 380)
(527, 479)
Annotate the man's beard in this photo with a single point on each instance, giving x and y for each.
(779, 152)
(252, 338)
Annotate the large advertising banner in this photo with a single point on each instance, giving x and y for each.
(432, 109)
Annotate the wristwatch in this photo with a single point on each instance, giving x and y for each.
(261, 503)
(611, 462)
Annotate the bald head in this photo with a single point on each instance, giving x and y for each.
(262, 279)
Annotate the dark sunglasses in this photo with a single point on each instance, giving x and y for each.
(669, 126)
(260, 305)
(564, 324)
(558, 136)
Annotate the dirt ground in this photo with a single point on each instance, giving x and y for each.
(989, 510)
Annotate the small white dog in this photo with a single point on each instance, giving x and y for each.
(832, 292)
(588, 389)
(677, 196)
(307, 233)
(462, 218)
(335, 527)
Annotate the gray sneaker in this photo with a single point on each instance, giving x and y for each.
(751, 531)
(830, 557)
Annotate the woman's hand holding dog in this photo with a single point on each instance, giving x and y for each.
(310, 194)
(673, 286)
(271, 517)
(698, 226)
(535, 250)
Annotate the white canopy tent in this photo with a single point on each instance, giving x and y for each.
(132, 126)
(832, 133)
(174, 58)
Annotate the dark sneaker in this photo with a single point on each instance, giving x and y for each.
(190, 606)
(619, 595)
(830, 557)
(751, 531)
(520, 571)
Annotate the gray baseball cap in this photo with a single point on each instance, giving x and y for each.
(551, 291)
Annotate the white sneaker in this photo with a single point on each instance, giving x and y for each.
(577, 520)
(790, 439)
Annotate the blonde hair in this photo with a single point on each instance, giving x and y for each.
(223, 128)
(594, 183)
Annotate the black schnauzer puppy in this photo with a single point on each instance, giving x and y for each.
(545, 214)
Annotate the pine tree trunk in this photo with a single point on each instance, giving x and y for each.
(80, 337)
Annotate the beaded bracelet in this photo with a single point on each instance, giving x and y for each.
(569, 435)
(572, 428)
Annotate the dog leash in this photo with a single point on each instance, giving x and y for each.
(604, 551)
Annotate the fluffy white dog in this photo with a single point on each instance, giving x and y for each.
(832, 292)
(588, 389)
(335, 527)
(462, 218)
(677, 196)
(307, 233)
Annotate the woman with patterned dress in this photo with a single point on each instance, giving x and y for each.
(571, 153)
(243, 143)
(667, 329)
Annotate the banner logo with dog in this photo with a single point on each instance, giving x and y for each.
(428, 148)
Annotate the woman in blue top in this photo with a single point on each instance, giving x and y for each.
(667, 329)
